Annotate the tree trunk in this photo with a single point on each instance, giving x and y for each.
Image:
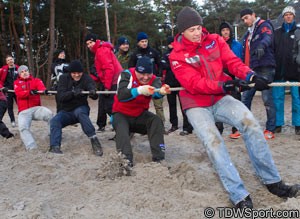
(3, 31)
(14, 37)
(52, 40)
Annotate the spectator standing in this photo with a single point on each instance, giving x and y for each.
(108, 69)
(8, 75)
(226, 31)
(258, 54)
(172, 97)
(198, 60)
(123, 53)
(28, 90)
(286, 68)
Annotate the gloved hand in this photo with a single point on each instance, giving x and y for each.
(34, 92)
(259, 52)
(146, 90)
(4, 90)
(46, 92)
(261, 83)
(77, 92)
(165, 89)
(235, 85)
(93, 95)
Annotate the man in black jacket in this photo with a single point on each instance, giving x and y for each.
(74, 107)
(285, 39)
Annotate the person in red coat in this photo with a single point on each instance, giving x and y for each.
(130, 109)
(198, 61)
(28, 90)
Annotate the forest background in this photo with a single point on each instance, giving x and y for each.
(32, 30)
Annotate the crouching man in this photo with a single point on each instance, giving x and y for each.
(136, 88)
(74, 107)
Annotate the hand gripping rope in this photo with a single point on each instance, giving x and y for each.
(274, 84)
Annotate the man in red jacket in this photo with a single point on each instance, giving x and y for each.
(108, 69)
(130, 109)
(8, 75)
(198, 60)
(28, 90)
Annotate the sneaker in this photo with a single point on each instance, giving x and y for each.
(268, 135)
(13, 124)
(172, 129)
(278, 129)
(284, 191)
(96, 146)
(297, 130)
(55, 150)
(184, 132)
(246, 203)
(235, 135)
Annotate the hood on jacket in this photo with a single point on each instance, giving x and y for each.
(226, 25)
(100, 43)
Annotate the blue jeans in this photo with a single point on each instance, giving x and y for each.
(279, 95)
(267, 98)
(63, 119)
(233, 112)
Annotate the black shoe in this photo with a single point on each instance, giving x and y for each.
(157, 160)
(297, 130)
(284, 191)
(246, 203)
(172, 129)
(55, 149)
(278, 129)
(102, 129)
(96, 146)
(9, 135)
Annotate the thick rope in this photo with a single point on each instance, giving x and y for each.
(274, 84)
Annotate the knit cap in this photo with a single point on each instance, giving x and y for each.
(122, 40)
(91, 36)
(289, 9)
(22, 68)
(188, 17)
(144, 65)
(141, 36)
(75, 66)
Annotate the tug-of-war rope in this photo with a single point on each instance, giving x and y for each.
(274, 84)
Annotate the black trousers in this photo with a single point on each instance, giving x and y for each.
(172, 101)
(11, 97)
(105, 103)
(4, 132)
(147, 123)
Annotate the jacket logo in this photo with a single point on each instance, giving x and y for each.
(192, 60)
(175, 64)
(211, 45)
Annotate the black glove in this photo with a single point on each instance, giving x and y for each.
(77, 93)
(93, 95)
(259, 52)
(34, 92)
(4, 90)
(235, 85)
(46, 92)
(261, 83)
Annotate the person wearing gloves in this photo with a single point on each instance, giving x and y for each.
(74, 107)
(197, 60)
(28, 90)
(136, 88)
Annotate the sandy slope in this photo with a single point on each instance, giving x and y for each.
(78, 184)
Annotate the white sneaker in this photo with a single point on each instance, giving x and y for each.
(13, 124)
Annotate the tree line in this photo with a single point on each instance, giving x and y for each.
(32, 30)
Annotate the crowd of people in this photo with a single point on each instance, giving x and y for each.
(215, 71)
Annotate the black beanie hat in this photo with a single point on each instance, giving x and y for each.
(188, 17)
(90, 36)
(144, 65)
(225, 25)
(75, 66)
(246, 11)
(122, 40)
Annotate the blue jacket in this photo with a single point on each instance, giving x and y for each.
(263, 35)
(237, 48)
